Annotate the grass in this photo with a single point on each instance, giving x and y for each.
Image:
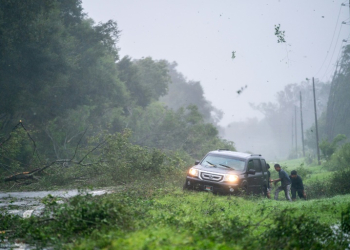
(310, 174)
(181, 219)
(162, 216)
(169, 218)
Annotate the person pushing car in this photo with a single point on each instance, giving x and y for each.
(297, 186)
(285, 182)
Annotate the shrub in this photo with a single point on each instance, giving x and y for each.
(80, 216)
(318, 189)
(340, 182)
(340, 159)
(296, 232)
(302, 171)
(328, 148)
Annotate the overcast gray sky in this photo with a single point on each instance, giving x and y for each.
(200, 36)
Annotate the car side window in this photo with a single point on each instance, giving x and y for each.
(263, 164)
(257, 165)
(251, 165)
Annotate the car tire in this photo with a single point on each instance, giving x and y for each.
(243, 190)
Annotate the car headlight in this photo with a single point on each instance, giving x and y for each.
(193, 172)
(232, 178)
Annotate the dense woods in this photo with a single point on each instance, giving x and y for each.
(338, 109)
(62, 77)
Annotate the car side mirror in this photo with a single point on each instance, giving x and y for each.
(196, 162)
(251, 171)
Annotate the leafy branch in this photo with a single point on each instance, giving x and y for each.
(280, 34)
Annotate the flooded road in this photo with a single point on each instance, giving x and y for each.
(26, 204)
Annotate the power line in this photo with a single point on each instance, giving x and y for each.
(336, 25)
(330, 61)
(341, 48)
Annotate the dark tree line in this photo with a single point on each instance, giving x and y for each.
(61, 75)
(338, 109)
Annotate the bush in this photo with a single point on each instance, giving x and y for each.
(319, 189)
(296, 232)
(340, 160)
(302, 171)
(79, 217)
(340, 182)
(309, 158)
(328, 148)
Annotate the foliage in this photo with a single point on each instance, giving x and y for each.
(233, 55)
(338, 121)
(309, 157)
(125, 162)
(184, 130)
(183, 93)
(302, 171)
(154, 75)
(345, 220)
(280, 34)
(338, 182)
(52, 57)
(79, 217)
(17, 152)
(319, 189)
(296, 232)
(169, 219)
(129, 74)
(340, 159)
(328, 148)
(62, 76)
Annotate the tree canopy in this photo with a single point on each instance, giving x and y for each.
(61, 75)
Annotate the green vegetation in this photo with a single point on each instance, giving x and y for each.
(67, 100)
(74, 114)
(167, 218)
(328, 148)
(337, 118)
(154, 213)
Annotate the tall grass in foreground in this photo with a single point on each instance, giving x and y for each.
(168, 218)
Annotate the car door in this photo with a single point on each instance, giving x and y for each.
(251, 178)
(263, 165)
(259, 176)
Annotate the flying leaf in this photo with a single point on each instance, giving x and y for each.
(280, 34)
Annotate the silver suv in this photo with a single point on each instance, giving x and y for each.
(223, 171)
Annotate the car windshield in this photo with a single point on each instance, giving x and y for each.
(223, 161)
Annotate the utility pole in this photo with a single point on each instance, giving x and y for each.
(296, 131)
(317, 148)
(301, 121)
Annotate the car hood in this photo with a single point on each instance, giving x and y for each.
(219, 170)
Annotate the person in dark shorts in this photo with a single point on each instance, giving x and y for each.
(297, 186)
(268, 194)
(285, 182)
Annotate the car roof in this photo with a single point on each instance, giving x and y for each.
(235, 154)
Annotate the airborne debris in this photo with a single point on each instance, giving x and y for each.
(233, 55)
(241, 89)
(280, 34)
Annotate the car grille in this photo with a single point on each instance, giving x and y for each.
(211, 177)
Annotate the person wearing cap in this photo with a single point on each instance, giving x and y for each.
(297, 186)
(285, 182)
